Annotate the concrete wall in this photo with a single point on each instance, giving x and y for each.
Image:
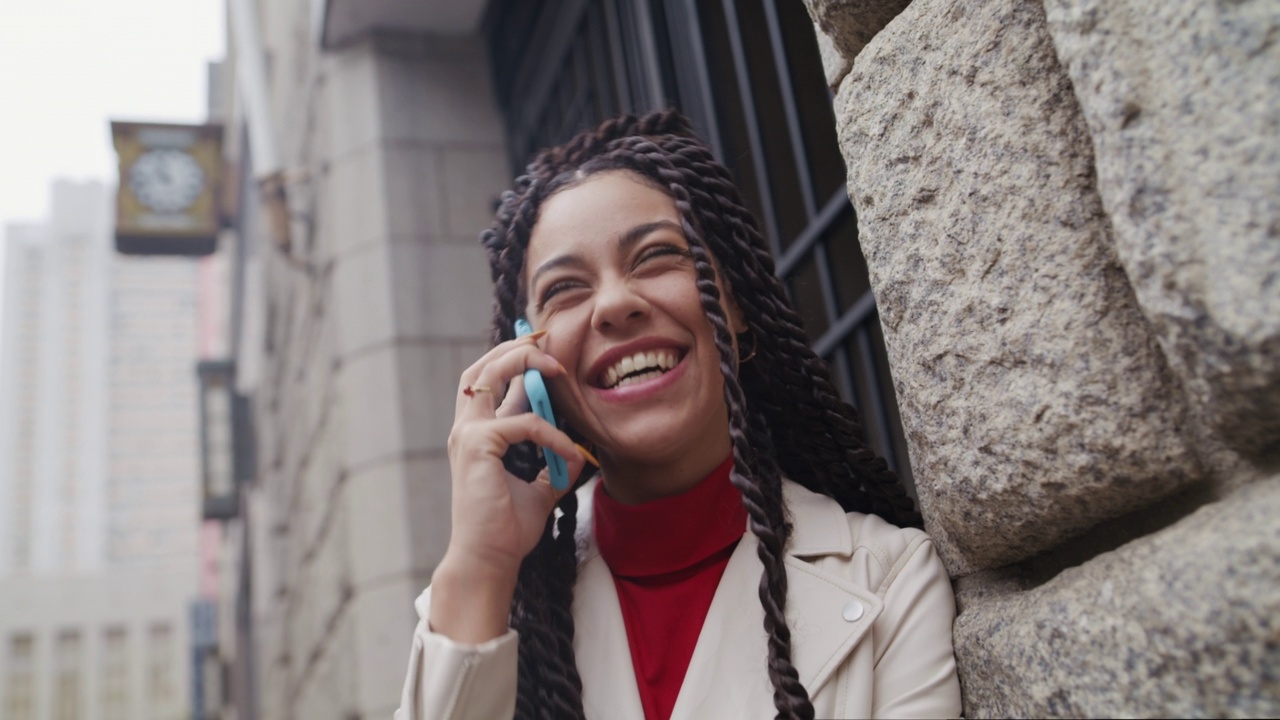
(396, 151)
(1071, 214)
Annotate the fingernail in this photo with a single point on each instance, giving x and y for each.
(586, 455)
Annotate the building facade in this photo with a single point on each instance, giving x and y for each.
(1049, 430)
(98, 481)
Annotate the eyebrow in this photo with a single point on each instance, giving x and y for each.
(625, 241)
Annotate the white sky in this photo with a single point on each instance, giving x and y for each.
(67, 67)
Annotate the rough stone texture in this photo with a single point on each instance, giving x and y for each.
(1183, 623)
(1036, 402)
(1183, 104)
(844, 27)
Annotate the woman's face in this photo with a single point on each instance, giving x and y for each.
(609, 275)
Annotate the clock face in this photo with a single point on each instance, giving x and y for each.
(166, 180)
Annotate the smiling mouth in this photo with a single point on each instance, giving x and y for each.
(639, 367)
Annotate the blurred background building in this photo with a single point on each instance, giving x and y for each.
(1066, 439)
(98, 471)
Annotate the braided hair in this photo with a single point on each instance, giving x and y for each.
(785, 417)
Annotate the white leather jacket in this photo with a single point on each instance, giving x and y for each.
(869, 606)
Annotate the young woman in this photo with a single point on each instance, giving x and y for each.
(740, 553)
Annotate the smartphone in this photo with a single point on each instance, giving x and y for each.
(540, 402)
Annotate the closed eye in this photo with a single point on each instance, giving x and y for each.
(555, 288)
(654, 252)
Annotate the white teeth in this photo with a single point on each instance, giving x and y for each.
(642, 377)
(654, 363)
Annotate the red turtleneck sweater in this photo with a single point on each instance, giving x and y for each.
(667, 557)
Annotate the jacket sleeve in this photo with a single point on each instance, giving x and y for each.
(456, 681)
(915, 671)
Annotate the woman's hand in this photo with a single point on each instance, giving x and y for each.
(497, 517)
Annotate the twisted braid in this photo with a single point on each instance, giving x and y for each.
(850, 472)
(785, 417)
(761, 496)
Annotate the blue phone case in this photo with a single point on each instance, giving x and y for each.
(536, 389)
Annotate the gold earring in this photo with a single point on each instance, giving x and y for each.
(751, 354)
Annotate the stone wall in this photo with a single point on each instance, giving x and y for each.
(370, 317)
(1071, 214)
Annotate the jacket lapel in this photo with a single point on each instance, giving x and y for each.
(600, 645)
(733, 646)
(827, 613)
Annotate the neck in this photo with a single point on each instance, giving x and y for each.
(633, 482)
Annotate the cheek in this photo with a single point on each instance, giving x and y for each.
(677, 292)
(564, 342)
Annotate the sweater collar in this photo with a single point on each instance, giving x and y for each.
(819, 524)
(672, 533)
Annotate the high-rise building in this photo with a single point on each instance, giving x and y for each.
(53, 474)
(98, 470)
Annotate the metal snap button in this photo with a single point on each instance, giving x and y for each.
(852, 611)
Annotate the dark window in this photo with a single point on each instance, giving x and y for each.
(749, 76)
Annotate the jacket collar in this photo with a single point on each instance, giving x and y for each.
(820, 526)
(732, 646)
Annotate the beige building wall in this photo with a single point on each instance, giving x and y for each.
(1071, 214)
(394, 152)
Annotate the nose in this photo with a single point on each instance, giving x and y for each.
(618, 304)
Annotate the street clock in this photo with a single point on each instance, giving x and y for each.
(167, 196)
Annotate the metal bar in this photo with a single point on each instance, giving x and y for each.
(829, 213)
(597, 39)
(694, 68)
(616, 47)
(573, 112)
(542, 81)
(826, 283)
(647, 47)
(798, 150)
(840, 361)
(753, 127)
(874, 418)
(852, 318)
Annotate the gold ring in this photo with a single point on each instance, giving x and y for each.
(472, 390)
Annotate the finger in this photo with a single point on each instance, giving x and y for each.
(495, 436)
(516, 400)
(471, 389)
(554, 496)
(473, 371)
(498, 374)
